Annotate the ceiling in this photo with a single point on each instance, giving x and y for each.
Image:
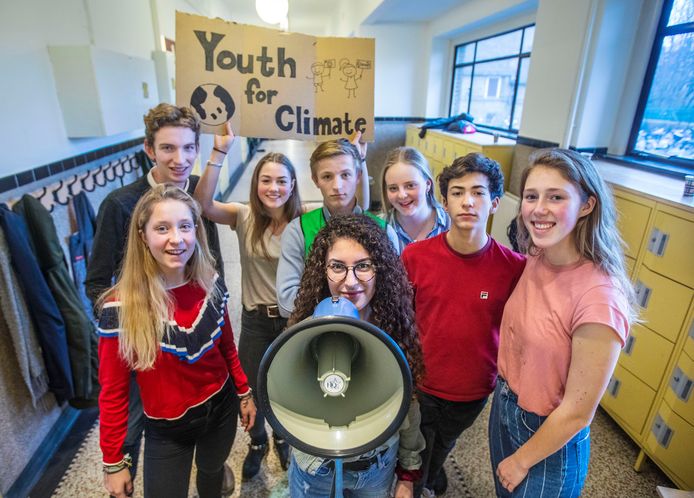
(409, 11)
(317, 16)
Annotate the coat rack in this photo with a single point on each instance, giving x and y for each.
(62, 191)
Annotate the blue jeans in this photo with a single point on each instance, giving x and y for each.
(257, 333)
(374, 482)
(205, 431)
(561, 474)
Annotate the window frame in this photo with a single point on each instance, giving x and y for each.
(519, 56)
(670, 165)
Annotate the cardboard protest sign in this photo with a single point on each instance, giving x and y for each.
(274, 84)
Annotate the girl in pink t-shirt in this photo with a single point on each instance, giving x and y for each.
(562, 329)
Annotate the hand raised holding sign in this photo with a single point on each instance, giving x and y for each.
(364, 197)
(222, 143)
(361, 145)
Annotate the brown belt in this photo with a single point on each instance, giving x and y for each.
(271, 311)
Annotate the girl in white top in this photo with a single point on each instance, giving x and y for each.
(274, 202)
(407, 192)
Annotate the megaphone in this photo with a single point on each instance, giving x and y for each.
(334, 386)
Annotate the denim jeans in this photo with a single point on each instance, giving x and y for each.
(374, 482)
(442, 424)
(257, 333)
(207, 431)
(561, 474)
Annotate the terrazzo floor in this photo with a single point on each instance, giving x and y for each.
(610, 474)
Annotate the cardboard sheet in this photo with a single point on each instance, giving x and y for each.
(274, 84)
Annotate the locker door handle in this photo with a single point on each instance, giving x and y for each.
(681, 384)
(662, 433)
(643, 294)
(662, 244)
(629, 346)
(613, 386)
(691, 330)
(653, 240)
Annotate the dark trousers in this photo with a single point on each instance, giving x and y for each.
(442, 423)
(207, 431)
(136, 425)
(257, 333)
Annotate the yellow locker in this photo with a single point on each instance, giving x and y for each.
(670, 442)
(434, 147)
(664, 303)
(411, 138)
(436, 168)
(448, 151)
(689, 341)
(630, 265)
(629, 399)
(669, 250)
(632, 222)
(646, 355)
(679, 390)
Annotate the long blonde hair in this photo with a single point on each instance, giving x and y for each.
(595, 235)
(145, 305)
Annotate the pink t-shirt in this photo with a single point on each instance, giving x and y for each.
(548, 304)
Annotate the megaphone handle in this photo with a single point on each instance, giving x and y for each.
(336, 492)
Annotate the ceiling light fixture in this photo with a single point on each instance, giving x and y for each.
(272, 11)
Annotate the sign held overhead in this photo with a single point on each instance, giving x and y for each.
(274, 84)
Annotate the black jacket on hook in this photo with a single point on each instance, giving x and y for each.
(44, 311)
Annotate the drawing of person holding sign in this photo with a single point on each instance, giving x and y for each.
(352, 74)
(320, 70)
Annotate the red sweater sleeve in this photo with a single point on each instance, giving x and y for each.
(231, 356)
(114, 377)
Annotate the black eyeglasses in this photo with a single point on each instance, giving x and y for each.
(363, 272)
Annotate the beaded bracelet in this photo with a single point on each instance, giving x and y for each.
(246, 396)
(127, 462)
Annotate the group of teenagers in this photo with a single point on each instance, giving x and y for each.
(541, 330)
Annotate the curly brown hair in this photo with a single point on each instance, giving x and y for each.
(391, 306)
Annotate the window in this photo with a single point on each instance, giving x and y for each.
(489, 78)
(663, 128)
(493, 87)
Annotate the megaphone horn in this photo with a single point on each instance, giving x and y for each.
(334, 386)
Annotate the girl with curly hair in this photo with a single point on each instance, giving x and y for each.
(352, 257)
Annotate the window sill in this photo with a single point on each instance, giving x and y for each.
(646, 164)
(658, 186)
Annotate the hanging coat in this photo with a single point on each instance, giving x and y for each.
(15, 322)
(80, 246)
(80, 331)
(43, 309)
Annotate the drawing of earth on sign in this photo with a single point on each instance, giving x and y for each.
(213, 104)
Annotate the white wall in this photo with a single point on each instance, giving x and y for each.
(585, 55)
(554, 69)
(606, 72)
(400, 56)
(33, 133)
